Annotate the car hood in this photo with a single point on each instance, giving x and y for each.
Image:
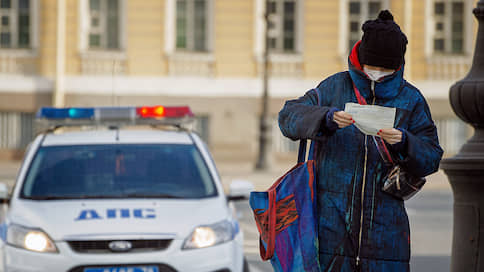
(127, 219)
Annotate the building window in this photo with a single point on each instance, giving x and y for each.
(192, 25)
(104, 24)
(449, 27)
(189, 37)
(202, 127)
(285, 28)
(280, 143)
(282, 25)
(16, 130)
(285, 37)
(449, 38)
(359, 12)
(16, 24)
(453, 133)
(102, 36)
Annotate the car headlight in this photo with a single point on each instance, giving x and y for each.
(210, 235)
(30, 239)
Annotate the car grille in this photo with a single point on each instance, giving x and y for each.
(161, 267)
(102, 246)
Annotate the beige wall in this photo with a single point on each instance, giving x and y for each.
(321, 40)
(417, 41)
(24, 102)
(233, 120)
(234, 30)
(144, 37)
(47, 37)
(234, 38)
(72, 37)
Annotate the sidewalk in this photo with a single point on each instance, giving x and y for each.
(8, 171)
(262, 180)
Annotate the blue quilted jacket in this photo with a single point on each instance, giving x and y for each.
(358, 222)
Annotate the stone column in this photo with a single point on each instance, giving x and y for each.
(466, 169)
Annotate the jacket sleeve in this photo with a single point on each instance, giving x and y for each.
(303, 118)
(422, 153)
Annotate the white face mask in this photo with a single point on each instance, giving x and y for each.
(375, 75)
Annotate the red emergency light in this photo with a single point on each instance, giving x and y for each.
(164, 112)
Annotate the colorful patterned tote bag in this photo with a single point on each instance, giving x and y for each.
(285, 215)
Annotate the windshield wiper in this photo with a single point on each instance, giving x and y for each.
(47, 197)
(137, 195)
(134, 195)
(51, 197)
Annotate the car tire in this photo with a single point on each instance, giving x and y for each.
(246, 266)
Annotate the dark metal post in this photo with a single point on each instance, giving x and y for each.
(263, 162)
(466, 169)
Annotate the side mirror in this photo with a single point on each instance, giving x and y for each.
(240, 190)
(4, 198)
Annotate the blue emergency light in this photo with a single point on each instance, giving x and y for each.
(154, 115)
(63, 113)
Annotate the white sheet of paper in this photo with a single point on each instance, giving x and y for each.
(369, 119)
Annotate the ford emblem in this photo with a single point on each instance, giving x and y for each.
(120, 246)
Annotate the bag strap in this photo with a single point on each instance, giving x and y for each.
(301, 155)
(380, 144)
(315, 145)
(267, 254)
(359, 97)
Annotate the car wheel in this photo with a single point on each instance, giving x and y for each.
(246, 266)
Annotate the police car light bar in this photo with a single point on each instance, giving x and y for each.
(155, 115)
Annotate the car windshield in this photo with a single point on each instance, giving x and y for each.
(118, 171)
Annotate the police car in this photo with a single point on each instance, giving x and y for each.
(130, 189)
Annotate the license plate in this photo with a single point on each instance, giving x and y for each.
(123, 269)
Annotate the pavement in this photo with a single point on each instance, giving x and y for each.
(262, 180)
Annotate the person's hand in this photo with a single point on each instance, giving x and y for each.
(391, 135)
(343, 119)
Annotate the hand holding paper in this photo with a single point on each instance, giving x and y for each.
(343, 119)
(370, 119)
(391, 135)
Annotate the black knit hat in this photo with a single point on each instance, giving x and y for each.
(383, 43)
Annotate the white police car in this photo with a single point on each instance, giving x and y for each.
(111, 198)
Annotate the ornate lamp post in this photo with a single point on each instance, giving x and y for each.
(263, 160)
(466, 169)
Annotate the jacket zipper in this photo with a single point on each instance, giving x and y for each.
(363, 186)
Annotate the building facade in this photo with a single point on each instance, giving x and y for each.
(209, 54)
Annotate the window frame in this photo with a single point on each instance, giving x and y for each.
(171, 31)
(16, 129)
(202, 127)
(275, 55)
(447, 32)
(85, 28)
(453, 133)
(34, 22)
(278, 19)
(345, 22)
(281, 144)
(190, 27)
